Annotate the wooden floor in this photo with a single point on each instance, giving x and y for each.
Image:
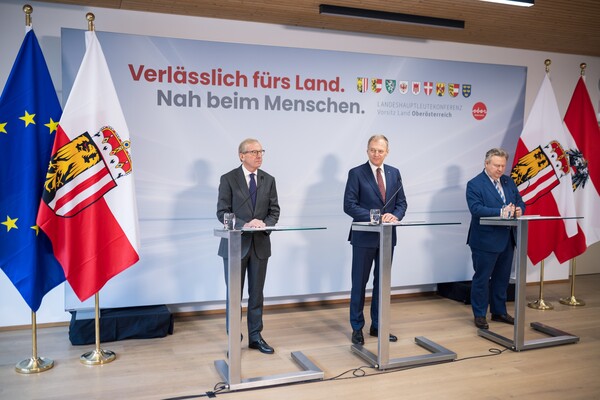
(181, 365)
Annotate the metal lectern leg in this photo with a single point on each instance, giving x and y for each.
(518, 343)
(382, 359)
(231, 372)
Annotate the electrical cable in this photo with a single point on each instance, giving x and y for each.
(358, 372)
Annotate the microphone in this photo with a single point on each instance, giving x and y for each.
(387, 203)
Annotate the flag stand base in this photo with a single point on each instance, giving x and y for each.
(540, 304)
(34, 365)
(572, 301)
(97, 357)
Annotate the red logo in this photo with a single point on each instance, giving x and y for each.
(479, 111)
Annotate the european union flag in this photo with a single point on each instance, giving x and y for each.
(29, 115)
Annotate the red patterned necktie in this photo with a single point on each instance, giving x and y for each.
(380, 184)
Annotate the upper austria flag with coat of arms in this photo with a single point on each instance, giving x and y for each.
(88, 207)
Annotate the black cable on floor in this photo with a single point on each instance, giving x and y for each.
(358, 372)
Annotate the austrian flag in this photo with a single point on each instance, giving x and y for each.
(541, 172)
(88, 207)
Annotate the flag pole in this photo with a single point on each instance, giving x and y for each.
(34, 364)
(96, 356)
(572, 300)
(540, 304)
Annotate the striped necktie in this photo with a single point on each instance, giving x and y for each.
(497, 186)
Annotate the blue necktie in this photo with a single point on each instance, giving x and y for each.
(252, 190)
(497, 185)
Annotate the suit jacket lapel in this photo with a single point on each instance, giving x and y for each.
(489, 185)
(243, 187)
(389, 187)
(369, 177)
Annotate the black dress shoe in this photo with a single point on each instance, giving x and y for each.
(481, 323)
(262, 346)
(357, 337)
(507, 319)
(375, 332)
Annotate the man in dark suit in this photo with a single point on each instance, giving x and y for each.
(372, 185)
(492, 194)
(251, 194)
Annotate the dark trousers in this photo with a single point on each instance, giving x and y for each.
(257, 272)
(362, 261)
(490, 281)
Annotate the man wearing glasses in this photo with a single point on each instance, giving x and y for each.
(371, 185)
(251, 194)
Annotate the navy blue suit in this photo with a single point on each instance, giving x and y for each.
(492, 247)
(362, 195)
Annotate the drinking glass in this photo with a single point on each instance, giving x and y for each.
(375, 215)
(229, 221)
(506, 212)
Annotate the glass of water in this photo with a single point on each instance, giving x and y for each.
(375, 215)
(229, 221)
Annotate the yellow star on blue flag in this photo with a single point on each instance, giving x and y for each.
(10, 223)
(26, 255)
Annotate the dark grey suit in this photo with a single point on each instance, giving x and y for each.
(234, 197)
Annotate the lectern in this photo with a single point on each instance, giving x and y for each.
(381, 360)
(231, 372)
(518, 343)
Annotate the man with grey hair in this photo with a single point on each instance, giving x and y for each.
(251, 194)
(492, 194)
(372, 185)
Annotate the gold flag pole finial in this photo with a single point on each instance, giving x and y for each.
(547, 63)
(28, 10)
(583, 67)
(90, 18)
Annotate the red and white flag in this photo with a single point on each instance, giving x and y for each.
(580, 121)
(88, 207)
(542, 174)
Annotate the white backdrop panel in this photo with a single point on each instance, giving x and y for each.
(181, 148)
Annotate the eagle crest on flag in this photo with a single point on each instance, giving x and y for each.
(579, 169)
(84, 170)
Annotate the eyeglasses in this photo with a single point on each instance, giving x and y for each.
(255, 153)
